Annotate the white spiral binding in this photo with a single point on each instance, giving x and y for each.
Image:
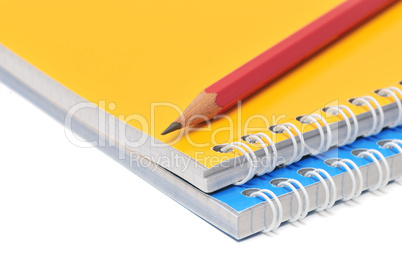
(351, 135)
(382, 181)
(296, 155)
(329, 201)
(304, 206)
(250, 156)
(277, 215)
(377, 124)
(344, 163)
(313, 119)
(298, 151)
(272, 161)
(394, 144)
(354, 192)
(390, 92)
(330, 198)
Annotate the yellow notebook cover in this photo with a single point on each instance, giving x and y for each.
(144, 61)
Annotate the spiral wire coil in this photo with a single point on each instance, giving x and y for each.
(328, 183)
(271, 159)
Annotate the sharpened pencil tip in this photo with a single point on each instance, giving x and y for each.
(172, 127)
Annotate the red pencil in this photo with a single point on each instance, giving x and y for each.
(277, 60)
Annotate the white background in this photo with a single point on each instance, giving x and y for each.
(61, 205)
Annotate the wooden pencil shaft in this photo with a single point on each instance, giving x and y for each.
(293, 50)
(276, 61)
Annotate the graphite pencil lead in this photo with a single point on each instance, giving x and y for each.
(172, 127)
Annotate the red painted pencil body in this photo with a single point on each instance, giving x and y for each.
(277, 60)
(293, 50)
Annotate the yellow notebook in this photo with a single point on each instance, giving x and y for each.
(144, 61)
